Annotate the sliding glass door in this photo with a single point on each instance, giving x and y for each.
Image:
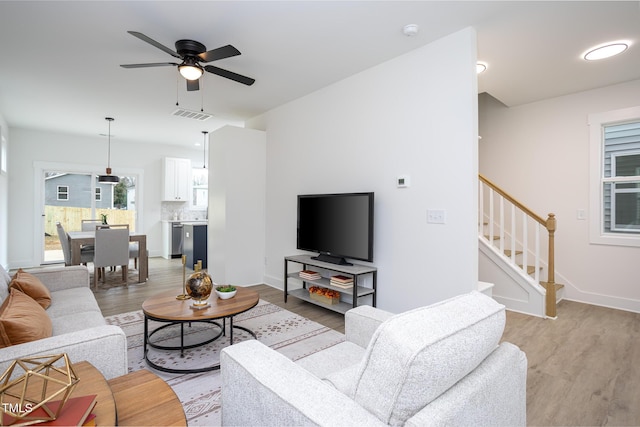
(70, 197)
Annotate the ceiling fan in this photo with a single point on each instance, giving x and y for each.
(192, 53)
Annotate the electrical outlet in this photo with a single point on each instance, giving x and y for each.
(436, 216)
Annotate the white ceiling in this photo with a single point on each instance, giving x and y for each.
(59, 61)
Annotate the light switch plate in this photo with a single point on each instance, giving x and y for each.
(436, 216)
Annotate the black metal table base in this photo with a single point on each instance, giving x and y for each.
(182, 347)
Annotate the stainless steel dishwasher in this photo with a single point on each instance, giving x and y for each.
(176, 240)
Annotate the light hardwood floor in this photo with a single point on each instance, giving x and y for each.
(583, 368)
(167, 274)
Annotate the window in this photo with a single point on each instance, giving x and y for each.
(199, 188)
(63, 192)
(615, 177)
(98, 194)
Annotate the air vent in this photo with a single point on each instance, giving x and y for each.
(194, 115)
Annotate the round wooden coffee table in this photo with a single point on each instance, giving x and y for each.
(167, 309)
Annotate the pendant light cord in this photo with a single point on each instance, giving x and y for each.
(109, 119)
(204, 149)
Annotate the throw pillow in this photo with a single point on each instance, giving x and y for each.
(22, 320)
(32, 286)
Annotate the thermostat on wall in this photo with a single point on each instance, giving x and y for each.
(403, 181)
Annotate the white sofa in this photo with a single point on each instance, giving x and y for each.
(437, 365)
(79, 329)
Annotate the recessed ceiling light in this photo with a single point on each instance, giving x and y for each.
(411, 30)
(480, 67)
(606, 50)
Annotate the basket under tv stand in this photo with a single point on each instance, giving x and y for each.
(353, 270)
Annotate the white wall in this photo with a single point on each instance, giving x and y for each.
(30, 146)
(237, 159)
(539, 153)
(415, 115)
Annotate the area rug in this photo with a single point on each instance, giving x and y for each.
(286, 332)
(113, 279)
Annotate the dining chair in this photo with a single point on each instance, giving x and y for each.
(86, 253)
(133, 246)
(111, 249)
(90, 224)
(134, 252)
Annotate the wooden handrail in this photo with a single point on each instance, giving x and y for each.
(522, 207)
(550, 224)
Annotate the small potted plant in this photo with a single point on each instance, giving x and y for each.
(226, 291)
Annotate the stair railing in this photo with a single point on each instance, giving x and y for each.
(514, 228)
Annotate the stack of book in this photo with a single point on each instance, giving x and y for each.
(77, 411)
(310, 275)
(341, 281)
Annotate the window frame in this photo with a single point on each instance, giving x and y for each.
(58, 193)
(194, 187)
(597, 123)
(621, 179)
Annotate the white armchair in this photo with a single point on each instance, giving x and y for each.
(436, 365)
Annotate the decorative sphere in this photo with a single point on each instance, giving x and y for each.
(199, 286)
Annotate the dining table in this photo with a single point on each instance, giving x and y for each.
(77, 239)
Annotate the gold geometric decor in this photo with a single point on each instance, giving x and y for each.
(35, 389)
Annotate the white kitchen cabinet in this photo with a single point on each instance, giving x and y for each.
(177, 177)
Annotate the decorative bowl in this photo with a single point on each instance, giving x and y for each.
(226, 292)
(198, 287)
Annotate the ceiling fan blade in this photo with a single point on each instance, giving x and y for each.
(193, 85)
(151, 64)
(230, 75)
(219, 53)
(154, 43)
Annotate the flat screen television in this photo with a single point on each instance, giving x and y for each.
(336, 226)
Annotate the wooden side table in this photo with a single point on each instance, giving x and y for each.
(143, 399)
(140, 398)
(93, 382)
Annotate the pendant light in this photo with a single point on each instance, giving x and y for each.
(108, 178)
(204, 149)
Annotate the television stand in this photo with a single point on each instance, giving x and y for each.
(327, 270)
(331, 259)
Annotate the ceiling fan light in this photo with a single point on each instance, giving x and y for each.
(190, 72)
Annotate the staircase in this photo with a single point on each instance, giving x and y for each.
(516, 252)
